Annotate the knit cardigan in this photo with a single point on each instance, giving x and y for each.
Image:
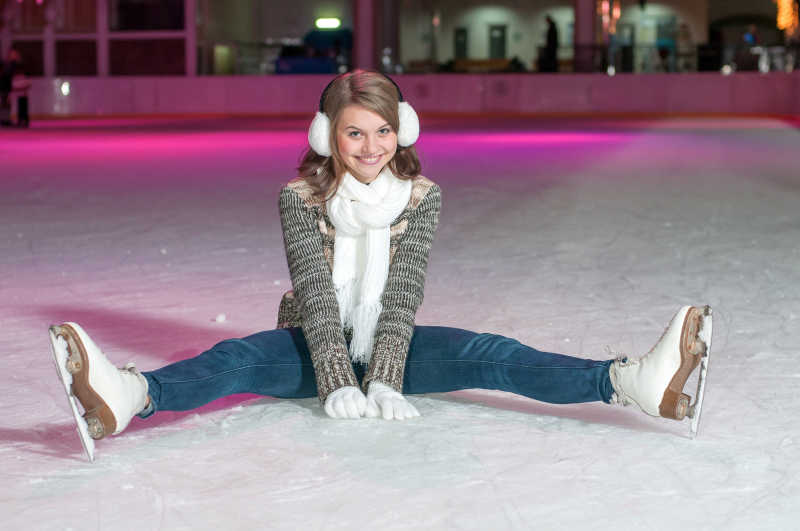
(309, 237)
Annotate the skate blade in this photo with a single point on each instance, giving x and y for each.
(696, 409)
(60, 357)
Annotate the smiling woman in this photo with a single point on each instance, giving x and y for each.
(360, 117)
(366, 142)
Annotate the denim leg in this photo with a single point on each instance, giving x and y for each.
(274, 363)
(442, 359)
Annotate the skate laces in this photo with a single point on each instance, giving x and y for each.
(131, 368)
(621, 357)
(618, 397)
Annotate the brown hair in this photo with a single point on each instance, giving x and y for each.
(374, 92)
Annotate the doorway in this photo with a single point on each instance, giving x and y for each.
(497, 41)
(460, 43)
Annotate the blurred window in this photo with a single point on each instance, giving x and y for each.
(32, 54)
(31, 17)
(150, 57)
(76, 58)
(77, 16)
(146, 15)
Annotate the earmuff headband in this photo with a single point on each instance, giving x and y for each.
(325, 91)
(319, 131)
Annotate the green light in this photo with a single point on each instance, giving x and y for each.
(328, 23)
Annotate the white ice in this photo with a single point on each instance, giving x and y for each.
(568, 235)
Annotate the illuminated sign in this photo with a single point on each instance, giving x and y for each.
(328, 23)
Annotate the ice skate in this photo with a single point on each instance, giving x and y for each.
(110, 397)
(655, 382)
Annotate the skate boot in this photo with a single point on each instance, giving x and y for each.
(655, 382)
(110, 396)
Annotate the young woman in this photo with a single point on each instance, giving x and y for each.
(358, 224)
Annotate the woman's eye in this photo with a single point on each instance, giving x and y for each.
(385, 131)
(354, 133)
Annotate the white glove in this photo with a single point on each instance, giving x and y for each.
(346, 403)
(384, 401)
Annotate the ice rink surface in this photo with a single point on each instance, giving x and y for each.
(575, 236)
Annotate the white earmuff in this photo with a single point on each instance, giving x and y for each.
(319, 135)
(408, 132)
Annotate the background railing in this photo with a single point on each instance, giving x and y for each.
(291, 56)
(640, 59)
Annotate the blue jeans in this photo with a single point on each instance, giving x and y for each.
(440, 359)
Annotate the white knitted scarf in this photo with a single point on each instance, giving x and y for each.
(361, 214)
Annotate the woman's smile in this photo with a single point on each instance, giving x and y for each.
(370, 160)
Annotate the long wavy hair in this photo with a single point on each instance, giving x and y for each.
(374, 92)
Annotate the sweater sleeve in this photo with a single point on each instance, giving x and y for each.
(403, 294)
(313, 289)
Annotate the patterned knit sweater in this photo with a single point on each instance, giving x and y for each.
(309, 236)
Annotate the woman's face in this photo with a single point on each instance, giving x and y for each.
(366, 142)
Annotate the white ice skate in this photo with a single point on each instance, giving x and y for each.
(110, 397)
(655, 382)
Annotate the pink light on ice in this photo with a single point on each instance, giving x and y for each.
(543, 137)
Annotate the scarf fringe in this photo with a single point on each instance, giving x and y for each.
(365, 321)
(345, 294)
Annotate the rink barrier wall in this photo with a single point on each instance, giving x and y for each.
(740, 93)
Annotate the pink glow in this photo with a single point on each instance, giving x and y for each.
(543, 137)
(152, 145)
(130, 152)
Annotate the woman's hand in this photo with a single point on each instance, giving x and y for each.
(346, 403)
(383, 401)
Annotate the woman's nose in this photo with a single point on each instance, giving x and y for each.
(369, 143)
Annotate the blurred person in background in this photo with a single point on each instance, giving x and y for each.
(548, 59)
(13, 82)
(5, 92)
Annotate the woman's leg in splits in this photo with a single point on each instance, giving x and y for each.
(444, 359)
(273, 363)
